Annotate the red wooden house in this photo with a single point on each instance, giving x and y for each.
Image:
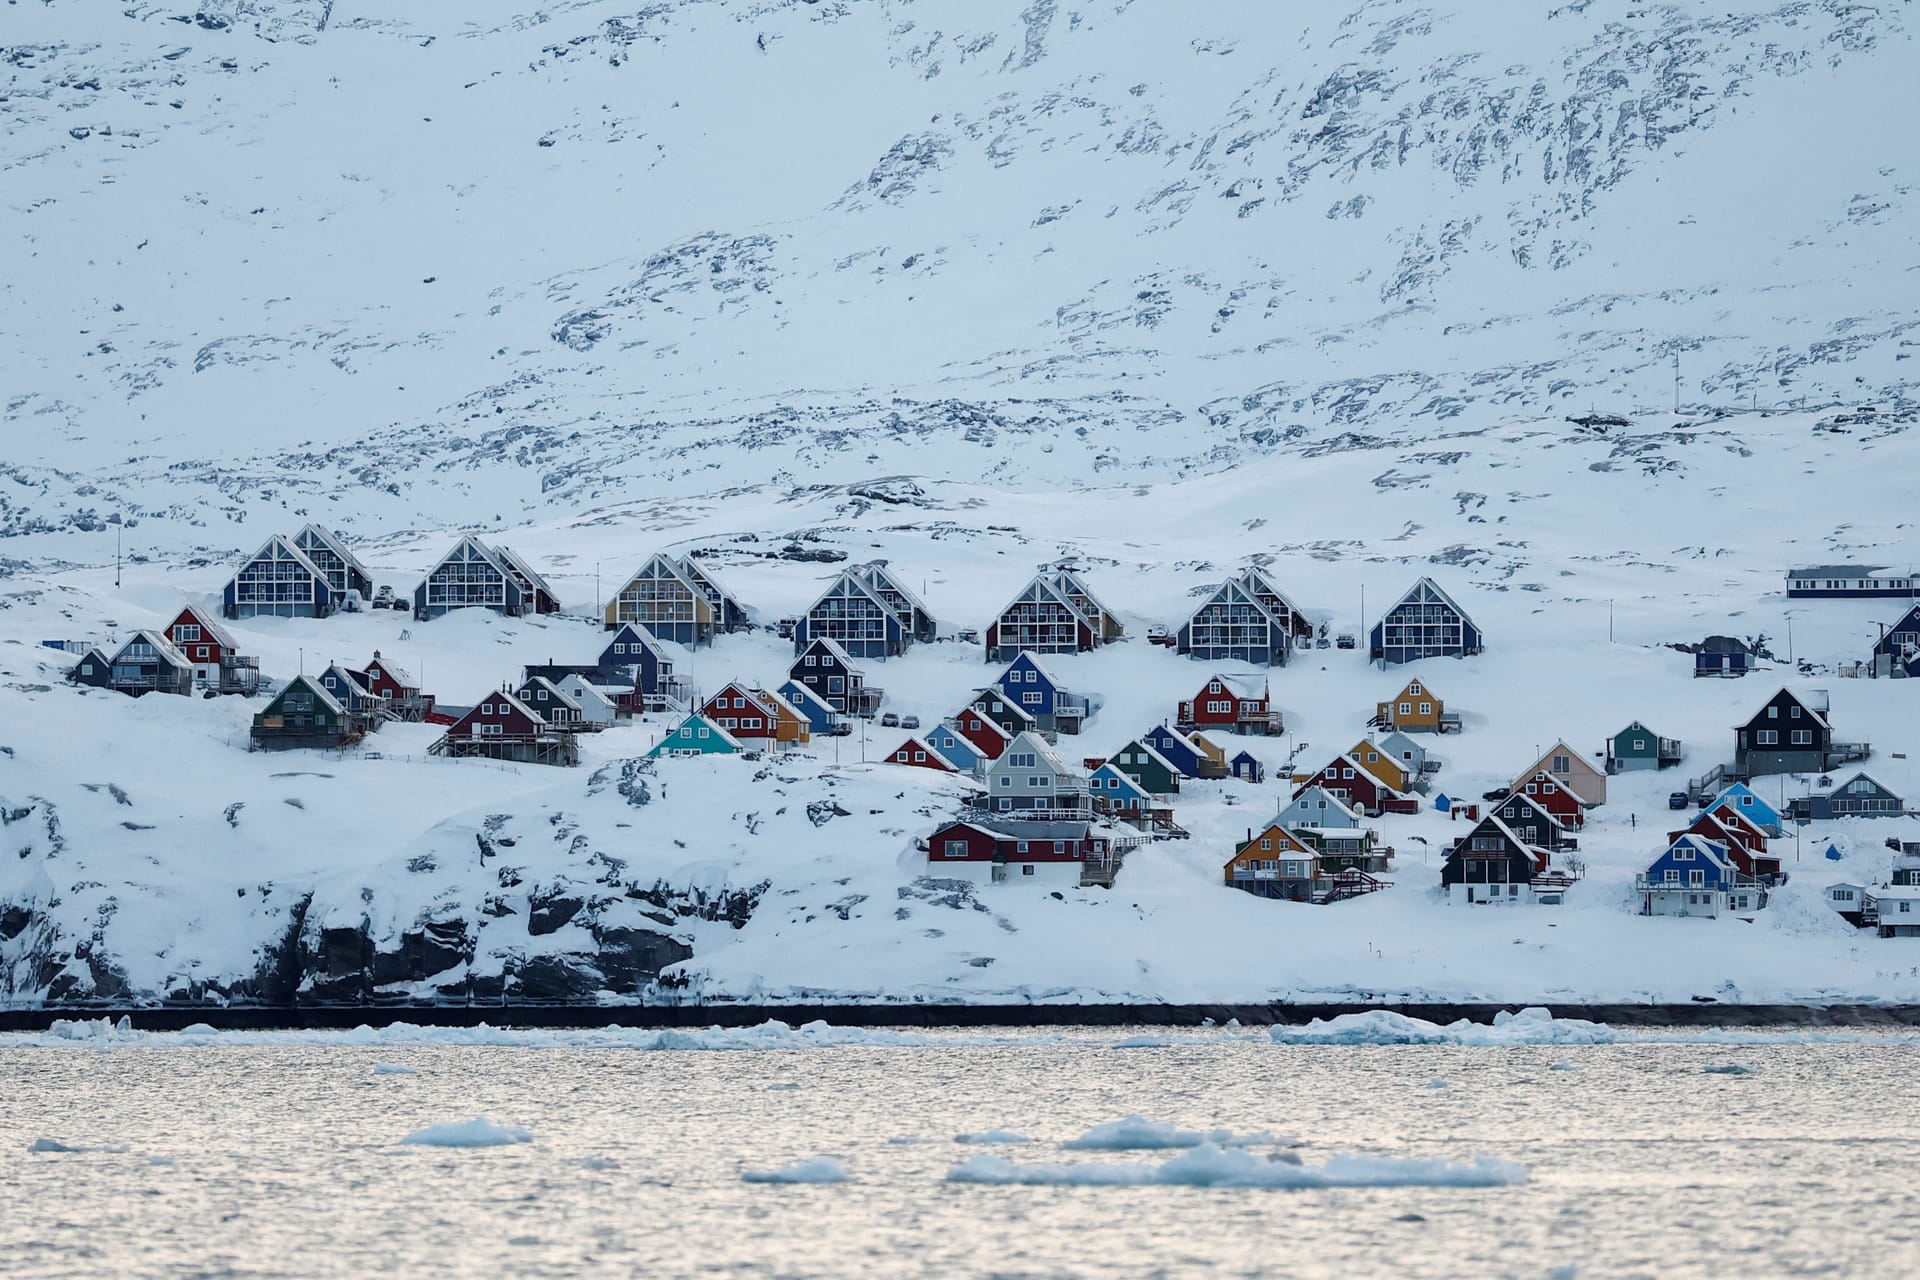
(1555, 796)
(1745, 842)
(1347, 780)
(1056, 852)
(754, 715)
(1235, 703)
(915, 753)
(217, 661)
(502, 727)
(397, 690)
(982, 731)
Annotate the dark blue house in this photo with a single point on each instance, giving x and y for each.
(1425, 623)
(1898, 649)
(1032, 688)
(826, 668)
(1180, 751)
(818, 715)
(1722, 656)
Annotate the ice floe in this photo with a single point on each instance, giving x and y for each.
(477, 1132)
(815, 1169)
(1137, 1133)
(1212, 1166)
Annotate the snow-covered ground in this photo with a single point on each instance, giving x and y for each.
(797, 879)
(1163, 288)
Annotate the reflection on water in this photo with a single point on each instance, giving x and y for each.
(265, 1160)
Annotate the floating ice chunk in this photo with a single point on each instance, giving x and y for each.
(51, 1146)
(1438, 1082)
(1211, 1166)
(392, 1069)
(1563, 1066)
(1136, 1133)
(1144, 1042)
(477, 1132)
(991, 1138)
(781, 1088)
(816, 1169)
(1727, 1069)
(1382, 1026)
(597, 1162)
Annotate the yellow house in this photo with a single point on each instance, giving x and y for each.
(1369, 756)
(1258, 864)
(1417, 709)
(1571, 770)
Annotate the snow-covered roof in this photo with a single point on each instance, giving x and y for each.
(522, 570)
(558, 694)
(350, 679)
(1042, 750)
(333, 543)
(833, 648)
(318, 690)
(798, 695)
(291, 552)
(396, 674)
(1241, 684)
(161, 646)
(1709, 850)
(208, 627)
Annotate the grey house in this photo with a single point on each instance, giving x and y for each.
(1858, 797)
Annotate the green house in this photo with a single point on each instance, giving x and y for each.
(1638, 747)
(1153, 772)
(304, 715)
(697, 736)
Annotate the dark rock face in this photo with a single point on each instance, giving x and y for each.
(550, 912)
(632, 958)
(560, 979)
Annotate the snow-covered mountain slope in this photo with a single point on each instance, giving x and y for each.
(484, 262)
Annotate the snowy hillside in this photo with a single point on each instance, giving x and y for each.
(482, 264)
(1167, 288)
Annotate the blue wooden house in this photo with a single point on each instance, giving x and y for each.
(697, 736)
(1245, 619)
(825, 667)
(1860, 796)
(352, 694)
(1116, 793)
(819, 716)
(1741, 799)
(948, 741)
(1722, 656)
(280, 580)
(1188, 754)
(1425, 623)
(343, 570)
(1897, 652)
(1029, 685)
(857, 616)
(474, 575)
(1695, 876)
(1247, 768)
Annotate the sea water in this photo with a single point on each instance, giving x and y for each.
(261, 1157)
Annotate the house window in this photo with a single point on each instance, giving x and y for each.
(1561, 764)
(919, 757)
(1673, 877)
(1020, 846)
(1696, 878)
(1803, 737)
(1213, 687)
(1768, 738)
(956, 848)
(1426, 708)
(186, 633)
(1793, 713)
(1027, 870)
(1059, 846)
(1905, 907)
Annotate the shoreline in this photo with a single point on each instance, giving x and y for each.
(934, 1016)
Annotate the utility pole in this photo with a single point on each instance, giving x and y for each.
(1609, 620)
(1676, 382)
(116, 557)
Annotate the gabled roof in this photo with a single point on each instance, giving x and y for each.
(1541, 857)
(1276, 828)
(514, 701)
(319, 691)
(798, 696)
(288, 551)
(1000, 695)
(1179, 738)
(876, 572)
(208, 627)
(634, 633)
(1535, 805)
(1861, 776)
(1819, 716)
(1255, 579)
(1433, 595)
(396, 674)
(522, 570)
(958, 748)
(991, 726)
(1722, 644)
(702, 574)
(1710, 850)
(161, 646)
(1113, 771)
(558, 694)
(1153, 754)
(332, 542)
(1027, 740)
(1399, 740)
(581, 690)
(777, 702)
(1031, 659)
(850, 582)
(698, 721)
(1545, 763)
(1047, 585)
(915, 742)
(832, 648)
(1333, 801)
(349, 678)
(1241, 684)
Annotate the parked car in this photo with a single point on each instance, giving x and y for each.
(1678, 800)
(383, 598)
(839, 729)
(1343, 641)
(889, 721)
(909, 722)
